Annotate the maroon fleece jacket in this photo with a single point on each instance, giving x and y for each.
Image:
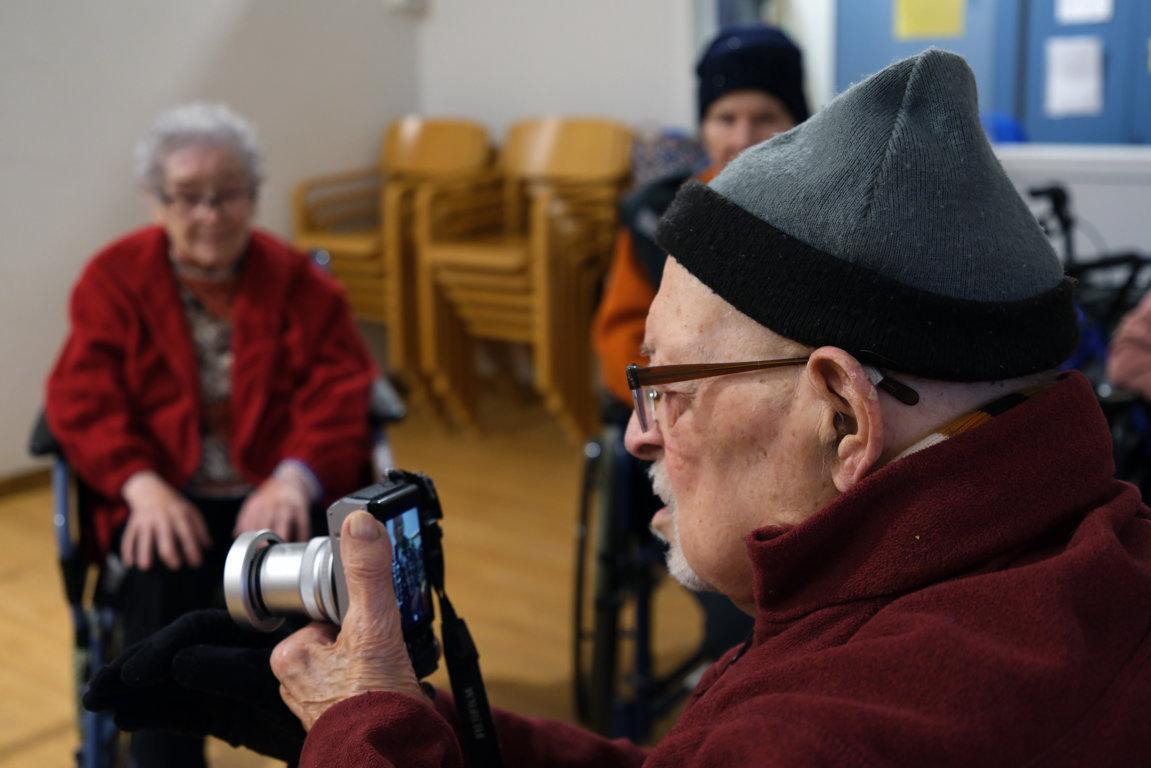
(986, 601)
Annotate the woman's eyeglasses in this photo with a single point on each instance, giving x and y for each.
(186, 203)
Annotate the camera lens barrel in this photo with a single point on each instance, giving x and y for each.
(266, 579)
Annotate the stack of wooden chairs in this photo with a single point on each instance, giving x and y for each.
(363, 219)
(517, 256)
(512, 253)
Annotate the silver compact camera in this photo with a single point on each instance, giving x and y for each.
(267, 579)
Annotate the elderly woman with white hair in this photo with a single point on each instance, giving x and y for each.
(212, 382)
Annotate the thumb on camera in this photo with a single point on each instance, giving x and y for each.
(366, 552)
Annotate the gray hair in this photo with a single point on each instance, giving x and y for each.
(196, 124)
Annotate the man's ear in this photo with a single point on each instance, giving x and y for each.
(851, 420)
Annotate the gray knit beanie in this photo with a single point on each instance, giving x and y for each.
(884, 225)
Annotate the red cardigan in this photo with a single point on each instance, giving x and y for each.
(986, 601)
(125, 395)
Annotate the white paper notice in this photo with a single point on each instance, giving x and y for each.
(1083, 11)
(1074, 76)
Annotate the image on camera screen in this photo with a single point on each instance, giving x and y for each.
(408, 568)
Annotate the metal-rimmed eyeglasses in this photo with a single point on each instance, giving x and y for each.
(644, 380)
(186, 203)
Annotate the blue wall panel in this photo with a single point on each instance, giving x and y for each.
(1115, 123)
(866, 43)
(1141, 57)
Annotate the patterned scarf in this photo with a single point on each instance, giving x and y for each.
(975, 418)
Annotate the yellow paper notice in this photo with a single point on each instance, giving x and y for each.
(916, 19)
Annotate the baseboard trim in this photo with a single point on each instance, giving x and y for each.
(25, 481)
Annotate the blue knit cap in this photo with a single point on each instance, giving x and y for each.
(758, 58)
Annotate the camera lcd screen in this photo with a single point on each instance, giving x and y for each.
(412, 590)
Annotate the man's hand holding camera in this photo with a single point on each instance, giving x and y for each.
(321, 664)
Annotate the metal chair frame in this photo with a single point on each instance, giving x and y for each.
(95, 628)
(1109, 285)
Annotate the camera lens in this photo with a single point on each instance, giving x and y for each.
(266, 580)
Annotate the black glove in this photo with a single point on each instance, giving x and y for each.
(203, 675)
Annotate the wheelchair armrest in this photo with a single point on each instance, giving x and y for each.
(387, 407)
(42, 442)
(1131, 260)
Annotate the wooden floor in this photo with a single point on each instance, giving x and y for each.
(510, 501)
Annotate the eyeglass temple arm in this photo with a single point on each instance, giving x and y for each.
(666, 374)
(669, 373)
(896, 389)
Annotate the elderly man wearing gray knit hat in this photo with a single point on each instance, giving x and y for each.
(856, 421)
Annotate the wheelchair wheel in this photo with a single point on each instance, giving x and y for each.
(99, 639)
(618, 567)
(595, 625)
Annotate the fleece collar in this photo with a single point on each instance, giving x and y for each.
(953, 508)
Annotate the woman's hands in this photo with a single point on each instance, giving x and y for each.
(161, 523)
(281, 503)
(164, 525)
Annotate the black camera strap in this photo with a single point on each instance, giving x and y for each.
(480, 743)
(481, 746)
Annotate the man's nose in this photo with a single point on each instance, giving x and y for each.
(643, 445)
(746, 135)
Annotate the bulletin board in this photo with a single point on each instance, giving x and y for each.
(870, 34)
(1075, 71)
(1080, 73)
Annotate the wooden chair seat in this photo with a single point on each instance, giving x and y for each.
(355, 247)
(498, 253)
(520, 282)
(465, 298)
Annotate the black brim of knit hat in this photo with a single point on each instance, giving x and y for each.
(818, 299)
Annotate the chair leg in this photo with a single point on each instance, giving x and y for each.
(443, 342)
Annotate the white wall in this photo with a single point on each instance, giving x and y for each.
(500, 60)
(1110, 188)
(81, 79)
(811, 24)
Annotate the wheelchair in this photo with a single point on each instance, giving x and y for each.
(1108, 286)
(91, 589)
(1108, 289)
(618, 565)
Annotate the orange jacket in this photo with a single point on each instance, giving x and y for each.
(617, 331)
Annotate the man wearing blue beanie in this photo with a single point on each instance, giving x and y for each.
(862, 438)
(750, 88)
